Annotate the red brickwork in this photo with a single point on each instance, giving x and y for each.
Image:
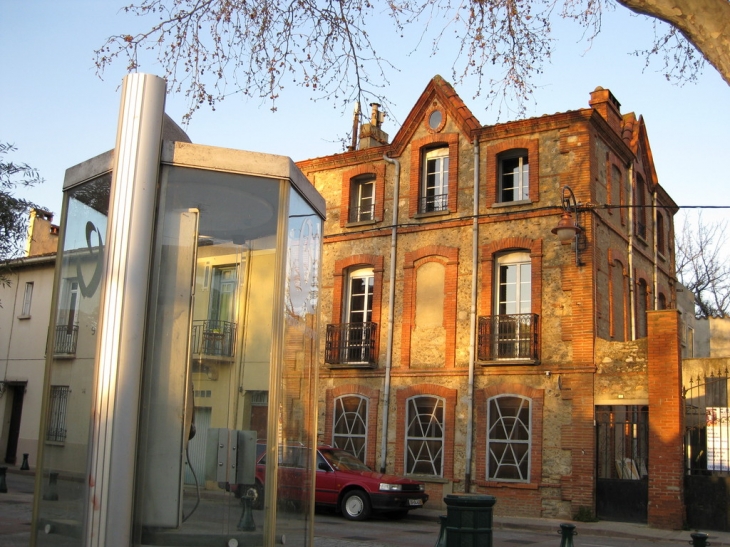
(666, 421)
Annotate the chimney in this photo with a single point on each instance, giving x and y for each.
(42, 235)
(603, 102)
(370, 133)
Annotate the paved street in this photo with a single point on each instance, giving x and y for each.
(419, 529)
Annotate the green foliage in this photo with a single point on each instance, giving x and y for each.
(13, 210)
(585, 514)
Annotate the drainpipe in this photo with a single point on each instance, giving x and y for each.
(391, 313)
(656, 252)
(472, 321)
(632, 303)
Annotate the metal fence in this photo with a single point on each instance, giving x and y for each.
(351, 344)
(504, 337)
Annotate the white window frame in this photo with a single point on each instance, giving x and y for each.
(501, 444)
(357, 344)
(27, 299)
(349, 440)
(363, 204)
(520, 263)
(424, 436)
(519, 176)
(69, 313)
(435, 180)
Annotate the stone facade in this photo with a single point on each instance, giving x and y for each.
(494, 320)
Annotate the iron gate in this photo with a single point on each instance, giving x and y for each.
(622, 443)
(707, 452)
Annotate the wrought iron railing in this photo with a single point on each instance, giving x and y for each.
(66, 339)
(58, 402)
(430, 204)
(351, 344)
(641, 229)
(213, 338)
(362, 214)
(508, 337)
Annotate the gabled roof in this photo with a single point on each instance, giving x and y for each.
(635, 135)
(440, 91)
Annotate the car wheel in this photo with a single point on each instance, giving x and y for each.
(355, 505)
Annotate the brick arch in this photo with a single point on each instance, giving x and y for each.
(449, 257)
(537, 397)
(450, 396)
(516, 243)
(416, 168)
(492, 176)
(375, 169)
(617, 260)
(373, 395)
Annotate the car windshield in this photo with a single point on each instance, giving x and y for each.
(344, 461)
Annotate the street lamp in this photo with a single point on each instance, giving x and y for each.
(568, 226)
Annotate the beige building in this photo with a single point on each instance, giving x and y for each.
(24, 321)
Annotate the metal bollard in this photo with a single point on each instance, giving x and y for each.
(441, 542)
(24, 466)
(3, 484)
(246, 523)
(699, 539)
(51, 493)
(567, 531)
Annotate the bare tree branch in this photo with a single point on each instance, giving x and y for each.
(703, 266)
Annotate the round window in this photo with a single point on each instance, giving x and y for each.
(435, 119)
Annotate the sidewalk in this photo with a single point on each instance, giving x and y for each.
(16, 512)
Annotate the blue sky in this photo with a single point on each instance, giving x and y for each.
(59, 113)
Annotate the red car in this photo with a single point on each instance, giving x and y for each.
(343, 483)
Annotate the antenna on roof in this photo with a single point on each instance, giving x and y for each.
(355, 125)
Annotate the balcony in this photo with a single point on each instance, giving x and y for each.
(351, 344)
(432, 204)
(65, 340)
(508, 339)
(213, 339)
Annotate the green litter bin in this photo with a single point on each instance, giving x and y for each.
(469, 520)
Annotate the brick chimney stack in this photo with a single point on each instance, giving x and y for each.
(603, 102)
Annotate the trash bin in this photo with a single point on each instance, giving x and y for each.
(469, 520)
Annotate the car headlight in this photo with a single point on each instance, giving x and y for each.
(385, 487)
(422, 487)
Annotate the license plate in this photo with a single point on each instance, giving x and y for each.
(415, 502)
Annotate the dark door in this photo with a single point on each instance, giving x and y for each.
(17, 392)
(622, 485)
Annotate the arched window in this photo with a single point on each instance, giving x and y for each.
(617, 296)
(362, 198)
(424, 435)
(642, 300)
(509, 438)
(512, 335)
(350, 427)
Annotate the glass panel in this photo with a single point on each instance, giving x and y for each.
(350, 425)
(207, 366)
(508, 455)
(424, 435)
(297, 408)
(72, 365)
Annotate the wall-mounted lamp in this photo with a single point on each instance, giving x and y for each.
(568, 226)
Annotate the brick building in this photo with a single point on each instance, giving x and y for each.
(464, 343)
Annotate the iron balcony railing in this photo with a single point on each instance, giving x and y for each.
(214, 338)
(351, 344)
(66, 339)
(430, 204)
(508, 337)
(362, 214)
